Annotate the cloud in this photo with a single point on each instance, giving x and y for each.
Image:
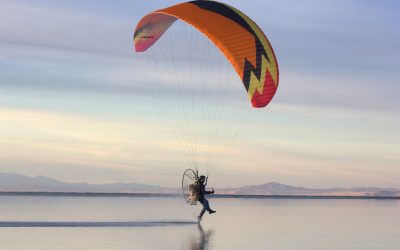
(73, 93)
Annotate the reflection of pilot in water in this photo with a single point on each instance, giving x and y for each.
(202, 199)
(203, 241)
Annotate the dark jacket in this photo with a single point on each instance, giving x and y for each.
(202, 192)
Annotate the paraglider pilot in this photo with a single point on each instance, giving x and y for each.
(202, 199)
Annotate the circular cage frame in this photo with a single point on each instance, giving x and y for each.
(190, 187)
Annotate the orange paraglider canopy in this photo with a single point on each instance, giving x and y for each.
(236, 35)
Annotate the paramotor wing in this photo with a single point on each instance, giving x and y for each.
(237, 36)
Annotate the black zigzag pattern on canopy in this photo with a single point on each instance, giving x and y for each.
(227, 12)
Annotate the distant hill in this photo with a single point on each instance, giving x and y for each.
(20, 183)
(275, 188)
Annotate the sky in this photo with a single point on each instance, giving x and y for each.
(76, 102)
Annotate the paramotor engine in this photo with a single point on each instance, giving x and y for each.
(190, 186)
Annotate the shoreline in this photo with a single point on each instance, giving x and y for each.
(216, 196)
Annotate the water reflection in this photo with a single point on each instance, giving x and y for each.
(94, 223)
(201, 241)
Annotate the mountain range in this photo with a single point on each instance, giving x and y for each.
(11, 182)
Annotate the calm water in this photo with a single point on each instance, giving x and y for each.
(167, 223)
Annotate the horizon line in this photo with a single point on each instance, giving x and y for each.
(176, 195)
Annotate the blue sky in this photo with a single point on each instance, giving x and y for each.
(73, 106)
